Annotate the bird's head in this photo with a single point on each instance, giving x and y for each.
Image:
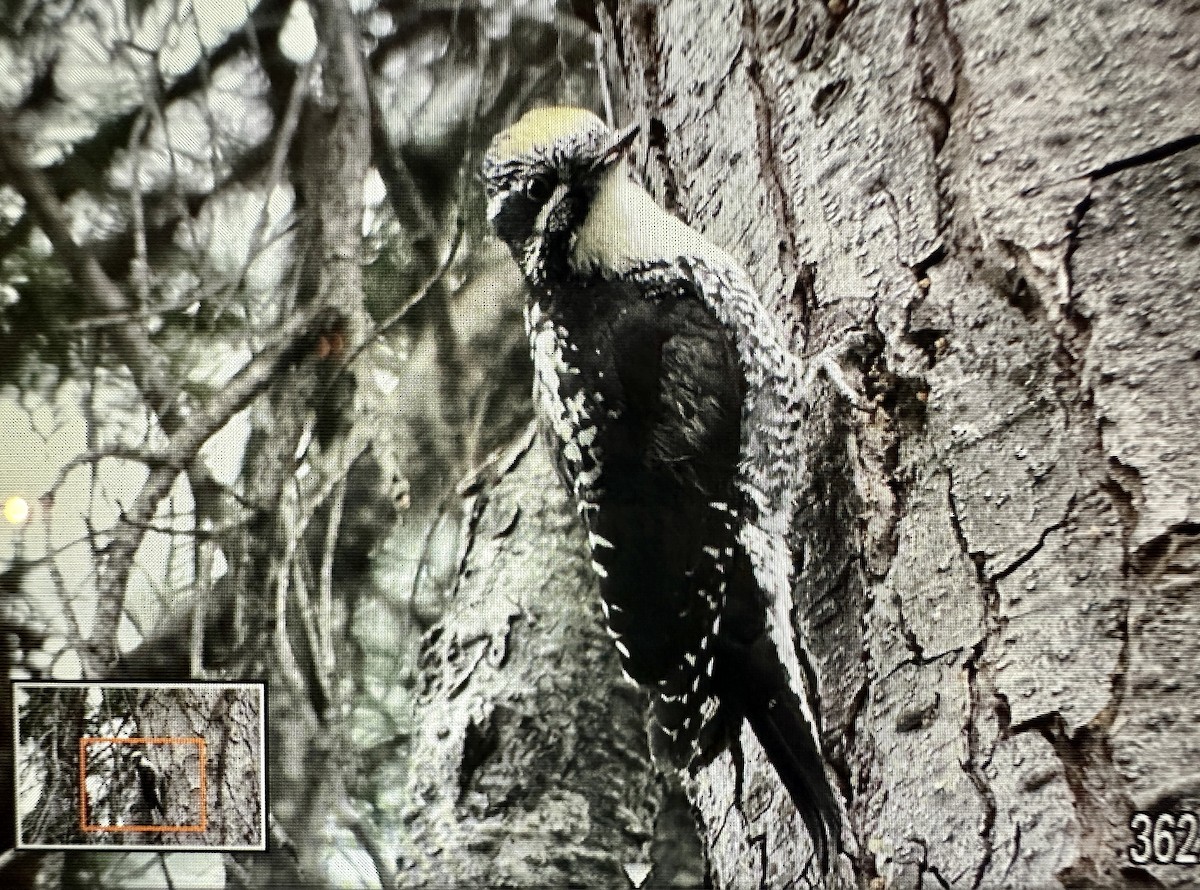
(541, 175)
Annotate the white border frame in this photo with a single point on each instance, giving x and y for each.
(134, 847)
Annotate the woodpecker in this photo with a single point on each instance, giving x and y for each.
(150, 781)
(663, 386)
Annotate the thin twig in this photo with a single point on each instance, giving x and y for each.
(283, 650)
(279, 153)
(138, 352)
(325, 589)
(368, 838)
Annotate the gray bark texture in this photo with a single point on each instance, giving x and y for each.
(990, 211)
(997, 591)
(531, 767)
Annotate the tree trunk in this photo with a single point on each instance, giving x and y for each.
(1002, 197)
(532, 765)
(996, 548)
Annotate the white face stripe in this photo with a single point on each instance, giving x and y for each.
(543, 217)
(534, 247)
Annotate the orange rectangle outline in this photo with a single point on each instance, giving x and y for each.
(84, 741)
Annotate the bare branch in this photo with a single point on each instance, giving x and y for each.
(182, 449)
(132, 341)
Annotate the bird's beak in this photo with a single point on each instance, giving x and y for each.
(620, 146)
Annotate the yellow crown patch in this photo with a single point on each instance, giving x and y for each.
(544, 126)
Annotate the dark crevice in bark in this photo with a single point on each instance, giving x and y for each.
(758, 843)
(1070, 340)
(1088, 769)
(1042, 724)
(841, 766)
(656, 134)
(644, 29)
(978, 559)
(1120, 676)
(1150, 156)
(935, 114)
(910, 637)
(1179, 795)
(1141, 159)
(1185, 528)
(1022, 298)
(919, 716)
(841, 758)
(791, 264)
(931, 341)
(976, 761)
(982, 691)
(923, 659)
(1001, 574)
(639, 28)
(1136, 876)
(1153, 551)
(838, 11)
(1016, 854)
(928, 869)
(781, 24)
(1073, 351)
(826, 98)
(823, 609)
(920, 269)
(726, 78)
(899, 410)
(1150, 555)
(1123, 486)
(936, 99)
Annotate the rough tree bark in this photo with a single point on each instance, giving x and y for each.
(518, 779)
(997, 559)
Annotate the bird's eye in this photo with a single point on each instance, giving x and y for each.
(539, 189)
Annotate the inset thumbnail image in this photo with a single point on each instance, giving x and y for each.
(148, 766)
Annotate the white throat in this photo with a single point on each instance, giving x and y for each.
(625, 228)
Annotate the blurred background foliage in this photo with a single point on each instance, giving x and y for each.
(313, 537)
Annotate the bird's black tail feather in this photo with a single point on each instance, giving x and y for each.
(752, 680)
(782, 731)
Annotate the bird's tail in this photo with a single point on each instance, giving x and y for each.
(752, 678)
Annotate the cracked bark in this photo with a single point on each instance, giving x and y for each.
(998, 560)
